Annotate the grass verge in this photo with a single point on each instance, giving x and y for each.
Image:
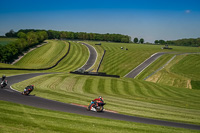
(20, 118)
(179, 72)
(45, 56)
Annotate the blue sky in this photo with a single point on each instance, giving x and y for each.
(148, 19)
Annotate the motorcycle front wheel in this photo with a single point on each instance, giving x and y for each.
(100, 109)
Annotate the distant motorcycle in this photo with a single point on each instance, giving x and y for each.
(4, 83)
(98, 107)
(28, 90)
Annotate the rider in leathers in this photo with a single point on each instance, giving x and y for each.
(3, 81)
(96, 101)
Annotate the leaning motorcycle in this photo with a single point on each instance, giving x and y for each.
(98, 108)
(26, 92)
(4, 83)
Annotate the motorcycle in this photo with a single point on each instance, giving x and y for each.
(26, 91)
(4, 83)
(99, 107)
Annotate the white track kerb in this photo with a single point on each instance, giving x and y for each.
(14, 89)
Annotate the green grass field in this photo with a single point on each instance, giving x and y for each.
(161, 100)
(183, 71)
(4, 41)
(157, 64)
(44, 56)
(119, 61)
(126, 96)
(77, 57)
(17, 118)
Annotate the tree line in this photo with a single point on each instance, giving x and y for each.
(52, 34)
(31, 37)
(194, 42)
(12, 50)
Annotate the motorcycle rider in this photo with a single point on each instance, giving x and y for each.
(29, 88)
(3, 81)
(3, 77)
(96, 101)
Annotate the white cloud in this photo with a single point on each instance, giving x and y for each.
(187, 11)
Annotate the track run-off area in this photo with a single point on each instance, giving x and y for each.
(8, 94)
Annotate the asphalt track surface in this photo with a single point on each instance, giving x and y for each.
(92, 58)
(142, 66)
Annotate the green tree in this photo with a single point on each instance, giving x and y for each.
(21, 35)
(141, 40)
(156, 41)
(161, 41)
(32, 38)
(63, 35)
(11, 33)
(135, 40)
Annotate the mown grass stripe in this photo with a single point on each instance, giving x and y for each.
(87, 86)
(77, 56)
(44, 56)
(78, 87)
(94, 86)
(114, 88)
(101, 85)
(127, 89)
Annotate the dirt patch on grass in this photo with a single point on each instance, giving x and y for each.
(154, 78)
(189, 84)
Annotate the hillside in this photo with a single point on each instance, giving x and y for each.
(124, 95)
(44, 56)
(127, 96)
(119, 61)
(182, 71)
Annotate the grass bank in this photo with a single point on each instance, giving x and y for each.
(77, 57)
(119, 61)
(182, 71)
(126, 96)
(45, 56)
(20, 118)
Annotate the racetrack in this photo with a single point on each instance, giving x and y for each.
(92, 58)
(7, 94)
(142, 66)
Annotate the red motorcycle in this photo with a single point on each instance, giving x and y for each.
(28, 90)
(96, 106)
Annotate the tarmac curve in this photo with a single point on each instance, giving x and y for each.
(8, 94)
(142, 66)
(92, 57)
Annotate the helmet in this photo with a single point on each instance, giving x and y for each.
(101, 98)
